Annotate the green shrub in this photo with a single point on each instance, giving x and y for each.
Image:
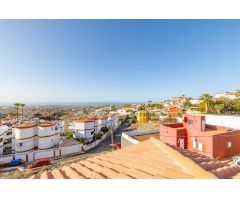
(69, 135)
(81, 140)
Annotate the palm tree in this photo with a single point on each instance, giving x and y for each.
(22, 106)
(219, 107)
(207, 99)
(17, 106)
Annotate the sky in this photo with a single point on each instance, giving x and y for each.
(117, 60)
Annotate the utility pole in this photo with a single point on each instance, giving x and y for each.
(112, 137)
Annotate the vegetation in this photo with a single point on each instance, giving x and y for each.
(187, 104)
(81, 140)
(207, 101)
(156, 106)
(2, 115)
(133, 119)
(218, 106)
(97, 136)
(69, 135)
(169, 120)
(122, 118)
(104, 129)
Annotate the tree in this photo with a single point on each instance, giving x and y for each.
(22, 106)
(187, 104)
(17, 106)
(238, 93)
(207, 99)
(219, 107)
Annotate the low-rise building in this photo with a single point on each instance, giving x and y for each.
(197, 136)
(193, 110)
(87, 128)
(142, 116)
(174, 111)
(195, 101)
(228, 95)
(36, 136)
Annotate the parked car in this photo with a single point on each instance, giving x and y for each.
(117, 146)
(236, 160)
(39, 163)
(16, 162)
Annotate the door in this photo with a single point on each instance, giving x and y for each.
(181, 143)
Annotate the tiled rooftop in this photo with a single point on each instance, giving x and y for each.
(220, 169)
(150, 159)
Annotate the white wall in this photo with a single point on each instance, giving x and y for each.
(6, 159)
(44, 154)
(223, 120)
(71, 149)
(130, 138)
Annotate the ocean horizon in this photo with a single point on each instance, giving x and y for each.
(71, 103)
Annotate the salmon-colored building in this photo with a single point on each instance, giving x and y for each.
(197, 136)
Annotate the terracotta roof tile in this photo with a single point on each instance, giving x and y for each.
(149, 159)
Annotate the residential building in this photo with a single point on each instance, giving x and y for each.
(197, 136)
(36, 136)
(173, 111)
(150, 159)
(193, 110)
(142, 116)
(86, 128)
(228, 95)
(195, 101)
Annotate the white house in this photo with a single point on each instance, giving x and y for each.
(38, 136)
(195, 101)
(123, 112)
(86, 128)
(228, 95)
(83, 128)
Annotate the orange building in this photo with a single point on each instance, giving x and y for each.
(173, 111)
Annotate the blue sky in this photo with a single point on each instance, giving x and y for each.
(117, 60)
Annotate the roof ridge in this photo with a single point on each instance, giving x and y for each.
(185, 162)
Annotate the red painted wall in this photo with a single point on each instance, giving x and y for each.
(170, 134)
(220, 149)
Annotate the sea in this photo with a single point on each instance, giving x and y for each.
(70, 103)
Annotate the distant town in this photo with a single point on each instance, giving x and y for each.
(182, 137)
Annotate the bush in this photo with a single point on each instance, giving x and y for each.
(81, 140)
(97, 136)
(104, 129)
(69, 135)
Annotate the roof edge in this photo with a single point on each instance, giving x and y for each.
(191, 166)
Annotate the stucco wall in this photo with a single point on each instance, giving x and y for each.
(224, 120)
(220, 144)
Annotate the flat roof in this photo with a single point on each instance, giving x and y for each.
(142, 138)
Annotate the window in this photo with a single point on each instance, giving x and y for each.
(229, 144)
(190, 122)
(20, 144)
(9, 133)
(199, 146)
